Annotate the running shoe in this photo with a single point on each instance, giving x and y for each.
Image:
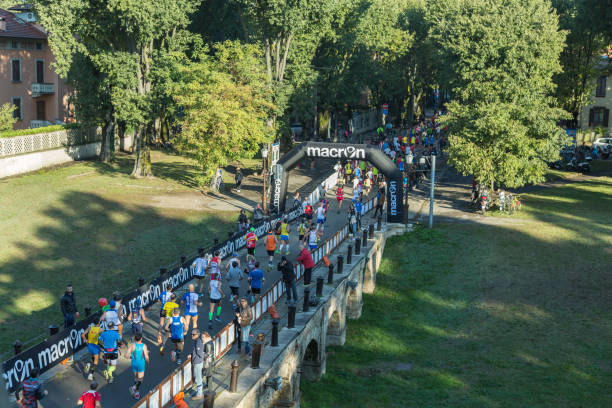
(87, 367)
(210, 326)
(218, 320)
(90, 377)
(173, 356)
(106, 377)
(161, 350)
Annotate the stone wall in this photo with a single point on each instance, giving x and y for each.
(301, 350)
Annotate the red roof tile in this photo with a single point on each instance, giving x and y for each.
(15, 28)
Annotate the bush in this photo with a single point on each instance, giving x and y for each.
(46, 129)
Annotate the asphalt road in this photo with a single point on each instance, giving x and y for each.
(65, 389)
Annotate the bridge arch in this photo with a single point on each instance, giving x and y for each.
(312, 361)
(342, 152)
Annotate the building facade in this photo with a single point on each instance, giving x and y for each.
(27, 81)
(597, 113)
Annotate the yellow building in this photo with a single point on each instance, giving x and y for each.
(597, 112)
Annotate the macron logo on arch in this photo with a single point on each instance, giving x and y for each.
(349, 152)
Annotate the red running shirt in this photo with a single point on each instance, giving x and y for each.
(90, 398)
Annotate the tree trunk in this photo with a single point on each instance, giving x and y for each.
(108, 139)
(142, 161)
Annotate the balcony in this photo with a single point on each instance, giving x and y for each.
(39, 123)
(39, 89)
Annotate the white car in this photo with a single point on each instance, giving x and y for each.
(604, 144)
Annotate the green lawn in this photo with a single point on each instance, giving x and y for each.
(91, 224)
(509, 315)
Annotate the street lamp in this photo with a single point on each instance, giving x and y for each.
(264, 157)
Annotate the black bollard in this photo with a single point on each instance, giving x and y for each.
(371, 231)
(349, 254)
(320, 282)
(17, 346)
(274, 333)
(379, 224)
(200, 251)
(340, 268)
(357, 246)
(330, 275)
(209, 399)
(183, 259)
(162, 271)
(53, 329)
(291, 317)
(256, 353)
(364, 239)
(234, 378)
(216, 241)
(306, 299)
(140, 281)
(87, 311)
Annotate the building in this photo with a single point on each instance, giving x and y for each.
(597, 112)
(27, 80)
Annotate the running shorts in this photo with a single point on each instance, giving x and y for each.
(93, 349)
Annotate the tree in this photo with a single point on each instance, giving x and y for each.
(226, 101)
(6, 117)
(500, 58)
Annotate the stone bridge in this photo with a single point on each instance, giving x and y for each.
(301, 350)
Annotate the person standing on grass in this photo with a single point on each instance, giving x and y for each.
(234, 276)
(110, 340)
(238, 178)
(271, 243)
(139, 354)
(191, 302)
(256, 280)
(91, 398)
(244, 316)
(69, 307)
(91, 337)
(286, 268)
(177, 334)
(216, 294)
(168, 311)
(199, 267)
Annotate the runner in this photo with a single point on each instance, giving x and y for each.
(164, 297)
(214, 266)
(339, 197)
(120, 315)
(284, 237)
(271, 243)
(175, 325)
(234, 276)
(231, 261)
(91, 337)
(251, 239)
(277, 231)
(112, 316)
(199, 266)
(214, 289)
(110, 340)
(301, 230)
(308, 211)
(137, 317)
(139, 354)
(91, 398)
(168, 311)
(321, 217)
(312, 237)
(191, 302)
(256, 279)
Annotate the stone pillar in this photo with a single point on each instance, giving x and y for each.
(369, 277)
(354, 303)
(336, 329)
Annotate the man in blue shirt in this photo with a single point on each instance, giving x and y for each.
(358, 211)
(199, 266)
(256, 280)
(109, 339)
(191, 302)
(175, 326)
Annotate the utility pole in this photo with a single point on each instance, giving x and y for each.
(431, 190)
(264, 199)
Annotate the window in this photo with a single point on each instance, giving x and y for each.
(15, 44)
(39, 46)
(17, 104)
(599, 116)
(600, 91)
(40, 71)
(16, 70)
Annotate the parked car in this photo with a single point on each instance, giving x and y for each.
(603, 144)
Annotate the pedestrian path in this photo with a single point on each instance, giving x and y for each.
(65, 389)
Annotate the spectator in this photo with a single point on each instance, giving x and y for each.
(286, 268)
(305, 258)
(296, 200)
(201, 357)
(30, 390)
(243, 221)
(258, 213)
(238, 178)
(69, 307)
(244, 316)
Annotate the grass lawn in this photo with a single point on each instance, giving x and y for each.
(90, 224)
(510, 315)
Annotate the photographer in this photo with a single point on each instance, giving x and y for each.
(286, 268)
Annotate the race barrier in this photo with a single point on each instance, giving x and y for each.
(56, 348)
(224, 340)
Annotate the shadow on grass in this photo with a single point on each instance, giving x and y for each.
(98, 245)
(488, 316)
